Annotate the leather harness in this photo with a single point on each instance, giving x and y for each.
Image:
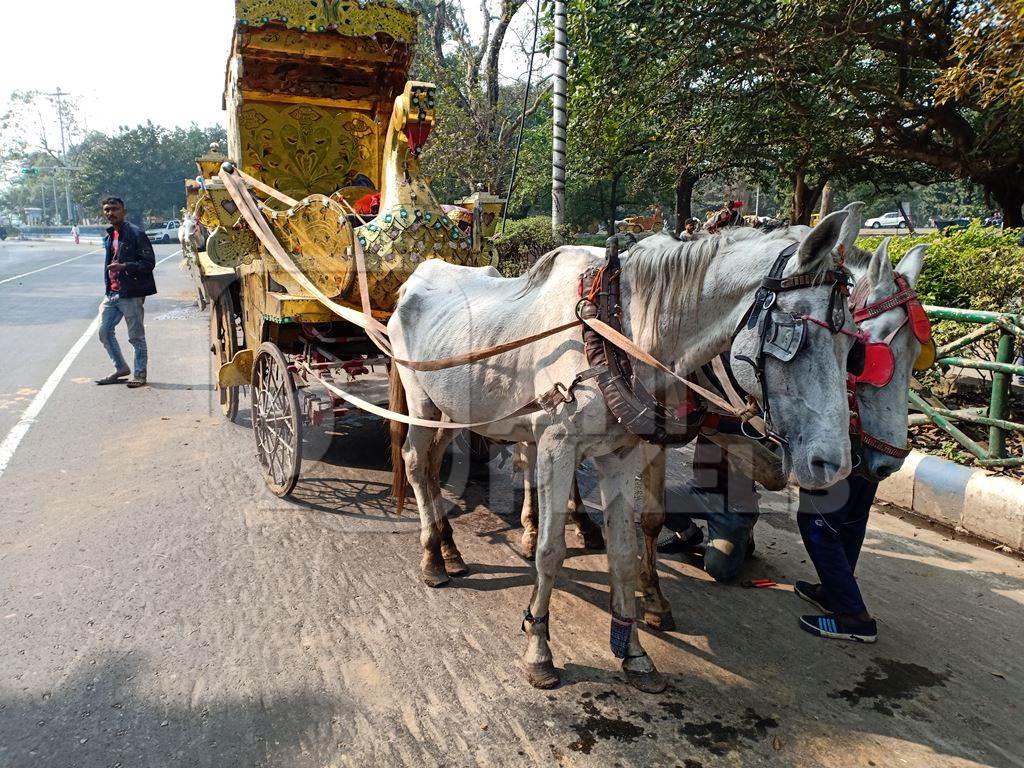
(629, 401)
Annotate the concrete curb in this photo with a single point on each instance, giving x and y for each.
(987, 506)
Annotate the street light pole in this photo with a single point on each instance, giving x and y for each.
(560, 54)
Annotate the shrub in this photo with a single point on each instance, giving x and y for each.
(524, 241)
(975, 268)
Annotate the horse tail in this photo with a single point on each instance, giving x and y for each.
(399, 430)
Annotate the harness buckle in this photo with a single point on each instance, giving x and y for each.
(554, 397)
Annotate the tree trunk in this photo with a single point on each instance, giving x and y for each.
(613, 204)
(804, 198)
(685, 183)
(826, 200)
(1009, 195)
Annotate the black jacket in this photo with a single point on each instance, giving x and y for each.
(136, 252)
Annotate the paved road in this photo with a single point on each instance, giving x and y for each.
(159, 608)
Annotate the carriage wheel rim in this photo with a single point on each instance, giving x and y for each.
(275, 421)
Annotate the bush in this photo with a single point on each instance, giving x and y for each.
(525, 241)
(975, 268)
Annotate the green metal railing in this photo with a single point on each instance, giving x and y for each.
(1010, 328)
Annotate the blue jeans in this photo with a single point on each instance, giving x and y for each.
(832, 524)
(726, 501)
(113, 309)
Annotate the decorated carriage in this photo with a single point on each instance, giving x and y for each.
(317, 214)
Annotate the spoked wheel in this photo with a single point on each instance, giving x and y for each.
(275, 420)
(224, 343)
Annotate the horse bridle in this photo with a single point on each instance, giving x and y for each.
(781, 334)
(879, 363)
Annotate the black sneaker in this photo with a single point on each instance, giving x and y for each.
(683, 543)
(813, 594)
(839, 627)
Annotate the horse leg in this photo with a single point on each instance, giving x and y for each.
(416, 454)
(588, 533)
(657, 610)
(453, 562)
(524, 459)
(556, 463)
(616, 472)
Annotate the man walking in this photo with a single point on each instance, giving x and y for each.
(128, 279)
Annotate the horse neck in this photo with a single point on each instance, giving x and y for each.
(704, 328)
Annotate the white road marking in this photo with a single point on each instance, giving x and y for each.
(49, 266)
(28, 418)
(169, 256)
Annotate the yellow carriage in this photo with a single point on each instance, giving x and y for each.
(318, 212)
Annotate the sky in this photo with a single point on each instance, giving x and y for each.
(165, 62)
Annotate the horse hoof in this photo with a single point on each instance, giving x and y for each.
(528, 547)
(456, 566)
(435, 578)
(542, 675)
(648, 682)
(661, 621)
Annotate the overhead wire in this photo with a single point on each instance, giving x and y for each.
(522, 119)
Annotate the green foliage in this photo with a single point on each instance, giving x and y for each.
(145, 166)
(976, 268)
(524, 242)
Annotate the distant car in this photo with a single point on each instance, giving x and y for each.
(947, 224)
(887, 220)
(163, 233)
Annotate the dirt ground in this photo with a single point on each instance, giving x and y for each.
(160, 608)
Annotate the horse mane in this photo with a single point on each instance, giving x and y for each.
(664, 271)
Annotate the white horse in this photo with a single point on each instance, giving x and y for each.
(679, 306)
(883, 410)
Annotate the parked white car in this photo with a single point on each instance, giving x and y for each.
(163, 233)
(893, 219)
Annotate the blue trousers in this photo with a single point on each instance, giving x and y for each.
(113, 309)
(832, 524)
(726, 501)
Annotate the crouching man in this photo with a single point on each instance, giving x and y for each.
(726, 501)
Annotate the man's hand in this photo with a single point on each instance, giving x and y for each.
(117, 268)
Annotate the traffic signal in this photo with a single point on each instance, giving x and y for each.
(30, 171)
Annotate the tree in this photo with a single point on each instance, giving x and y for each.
(815, 92)
(477, 117)
(145, 165)
(988, 63)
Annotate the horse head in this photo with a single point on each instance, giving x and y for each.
(882, 391)
(791, 354)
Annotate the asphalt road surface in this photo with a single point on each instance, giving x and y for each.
(159, 608)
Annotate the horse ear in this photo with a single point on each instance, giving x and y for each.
(817, 248)
(852, 225)
(911, 263)
(880, 268)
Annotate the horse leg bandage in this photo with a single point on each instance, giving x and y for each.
(622, 628)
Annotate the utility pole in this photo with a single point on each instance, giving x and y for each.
(561, 57)
(59, 96)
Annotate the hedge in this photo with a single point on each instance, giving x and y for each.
(975, 268)
(524, 241)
